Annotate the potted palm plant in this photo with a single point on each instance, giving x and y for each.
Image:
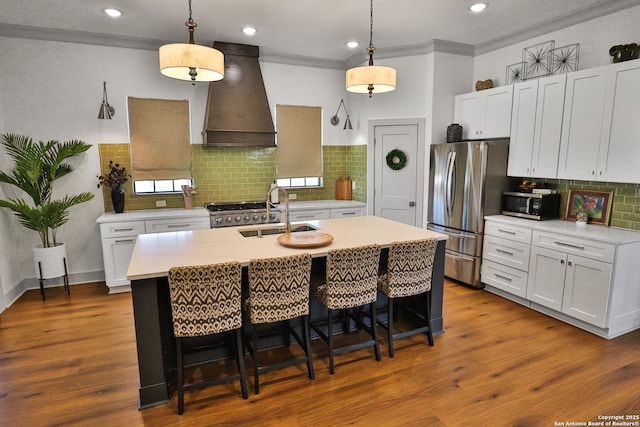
(36, 167)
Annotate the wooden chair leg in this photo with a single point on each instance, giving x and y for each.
(237, 338)
(391, 315)
(330, 340)
(307, 346)
(254, 355)
(374, 331)
(180, 378)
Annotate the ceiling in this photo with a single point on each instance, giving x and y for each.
(314, 29)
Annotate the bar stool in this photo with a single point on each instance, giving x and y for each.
(407, 273)
(278, 293)
(350, 282)
(206, 300)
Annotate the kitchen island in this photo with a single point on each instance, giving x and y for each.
(155, 254)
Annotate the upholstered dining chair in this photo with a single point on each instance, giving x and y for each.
(350, 282)
(407, 273)
(206, 300)
(279, 293)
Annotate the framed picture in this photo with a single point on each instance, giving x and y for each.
(597, 205)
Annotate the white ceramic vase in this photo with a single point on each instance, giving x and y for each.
(50, 260)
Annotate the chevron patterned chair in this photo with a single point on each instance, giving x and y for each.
(278, 293)
(206, 300)
(408, 273)
(350, 282)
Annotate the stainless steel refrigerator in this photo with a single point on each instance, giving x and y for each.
(466, 181)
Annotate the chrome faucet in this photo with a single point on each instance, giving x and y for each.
(286, 206)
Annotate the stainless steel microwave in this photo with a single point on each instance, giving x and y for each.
(530, 206)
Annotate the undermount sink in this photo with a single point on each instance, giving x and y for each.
(277, 230)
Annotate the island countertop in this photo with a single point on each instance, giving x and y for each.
(154, 254)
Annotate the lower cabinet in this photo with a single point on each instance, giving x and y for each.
(119, 239)
(588, 282)
(314, 214)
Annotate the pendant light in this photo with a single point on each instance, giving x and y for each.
(371, 78)
(190, 61)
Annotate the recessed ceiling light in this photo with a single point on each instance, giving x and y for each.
(250, 31)
(352, 44)
(114, 13)
(478, 7)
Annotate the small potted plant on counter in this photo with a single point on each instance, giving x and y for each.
(36, 167)
(114, 179)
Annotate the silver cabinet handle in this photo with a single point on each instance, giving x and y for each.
(502, 251)
(126, 241)
(569, 245)
(123, 229)
(177, 225)
(348, 213)
(499, 276)
(307, 216)
(513, 233)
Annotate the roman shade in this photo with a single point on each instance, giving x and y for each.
(299, 136)
(160, 135)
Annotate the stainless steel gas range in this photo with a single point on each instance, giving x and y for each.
(229, 214)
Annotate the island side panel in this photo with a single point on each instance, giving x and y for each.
(149, 329)
(437, 289)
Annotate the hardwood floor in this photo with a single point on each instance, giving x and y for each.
(72, 361)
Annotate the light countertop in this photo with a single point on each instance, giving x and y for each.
(618, 236)
(144, 214)
(154, 254)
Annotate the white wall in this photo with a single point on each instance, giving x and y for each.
(595, 36)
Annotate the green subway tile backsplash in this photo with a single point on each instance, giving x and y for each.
(236, 174)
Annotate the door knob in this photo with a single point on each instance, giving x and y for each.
(412, 204)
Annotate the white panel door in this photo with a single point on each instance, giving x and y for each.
(395, 190)
(548, 130)
(586, 292)
(523, 119)
(545, 285)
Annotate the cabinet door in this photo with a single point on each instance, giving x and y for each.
(468, 113)
(346, 212)
(308, 215)
(548, 127)
(584, 108)
(116, 253)
(620, 150)
(586, 291)
(496, 122)
(523, 118)
(546, 277)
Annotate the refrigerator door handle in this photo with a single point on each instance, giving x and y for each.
(450, 183)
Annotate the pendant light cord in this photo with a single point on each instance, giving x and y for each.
(371, 47)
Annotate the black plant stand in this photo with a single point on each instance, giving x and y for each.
(65, 279)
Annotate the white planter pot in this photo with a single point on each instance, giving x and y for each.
(51, 261)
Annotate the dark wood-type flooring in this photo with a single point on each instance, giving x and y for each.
(71, 360)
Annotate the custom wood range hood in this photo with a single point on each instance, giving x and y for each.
(237, 113)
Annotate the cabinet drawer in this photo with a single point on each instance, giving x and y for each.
(510, 232)
(346, 212)
(308, 215)
(121, 229)
(512, 254)
(600, 251)
(506, 278)
(176, 224)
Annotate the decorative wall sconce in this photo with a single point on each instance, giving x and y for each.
(335, 119)
(106, 111)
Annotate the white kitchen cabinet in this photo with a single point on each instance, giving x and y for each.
(505, 257)
(347, 212)
(599, 138)
(536, 125)
(583, 275)
(485, 114)
(118, 240)
(176, 224)
(309, 215)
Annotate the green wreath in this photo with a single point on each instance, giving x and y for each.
(396, 159)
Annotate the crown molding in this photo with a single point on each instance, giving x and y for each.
(304, 61)
(603, 8)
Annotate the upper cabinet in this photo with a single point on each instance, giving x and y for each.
(485, 114)
(536, 126)
(599, 136)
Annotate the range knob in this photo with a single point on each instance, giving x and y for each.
(255, 217)
(229, 219)
(218, 220)
(247, 218)
(272, 216)
(238, 219)
(264, 216)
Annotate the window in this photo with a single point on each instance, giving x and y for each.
(299, 141)
(160, 136)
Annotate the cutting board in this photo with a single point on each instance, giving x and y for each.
(343, 189)
(305, 239)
